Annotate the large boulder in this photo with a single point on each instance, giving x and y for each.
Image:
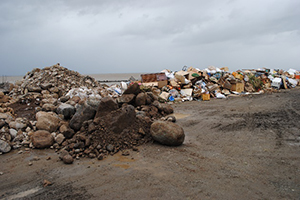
(167, 133)
(106, 105)
(42, 139)
(83, 113)
(4, 147)
(66, 110)
(48, 121)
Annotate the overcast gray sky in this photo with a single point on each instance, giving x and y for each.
(119, 36)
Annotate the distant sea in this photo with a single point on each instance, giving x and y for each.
(103, 78)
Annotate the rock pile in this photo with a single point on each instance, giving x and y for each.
(55, 79)
(73, 114)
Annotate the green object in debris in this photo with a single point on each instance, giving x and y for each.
(195, 75)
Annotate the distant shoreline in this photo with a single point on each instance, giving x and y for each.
(98, 77)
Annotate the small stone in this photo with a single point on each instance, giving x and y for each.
(141, 131)
(36, 158)
(77, 151)
(13, 132)
(100, 157)
(110, 148)
(4, 147)
(125, 153)
(68, 159)
(19, 152)
(171, 118)
(92, 155)
(48, 158)
(135, 149)
(59, 138)
(30, 163)
(46, 183)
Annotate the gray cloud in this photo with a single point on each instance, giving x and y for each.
(147, 36)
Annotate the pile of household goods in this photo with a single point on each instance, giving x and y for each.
(195, 84)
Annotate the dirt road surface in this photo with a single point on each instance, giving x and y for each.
(238, 148)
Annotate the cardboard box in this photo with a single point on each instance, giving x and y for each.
(238, 87)
(155, 79)
(205, 97)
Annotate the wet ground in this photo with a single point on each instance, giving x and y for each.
(238, 148)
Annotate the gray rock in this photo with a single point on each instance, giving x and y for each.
(42, 139)
(110, 148)
(46, 86)
(4, 147)
(167, 133)
(34, 89)
(66, 110)
(19, 123)
(48, 121)
(93, 102)
(83, 113)
(13, 132)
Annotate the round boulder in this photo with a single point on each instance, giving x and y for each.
(42, 139)
(167, 133)
(48, 121)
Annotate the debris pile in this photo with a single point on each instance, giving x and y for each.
(195, 84)
(75, 115)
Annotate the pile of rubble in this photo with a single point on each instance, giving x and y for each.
(58, 108)
(195, 84)
(75, 115)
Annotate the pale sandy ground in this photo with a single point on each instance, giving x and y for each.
(239, 148)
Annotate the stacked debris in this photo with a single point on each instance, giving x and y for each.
(195, 84)
(60, 109)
